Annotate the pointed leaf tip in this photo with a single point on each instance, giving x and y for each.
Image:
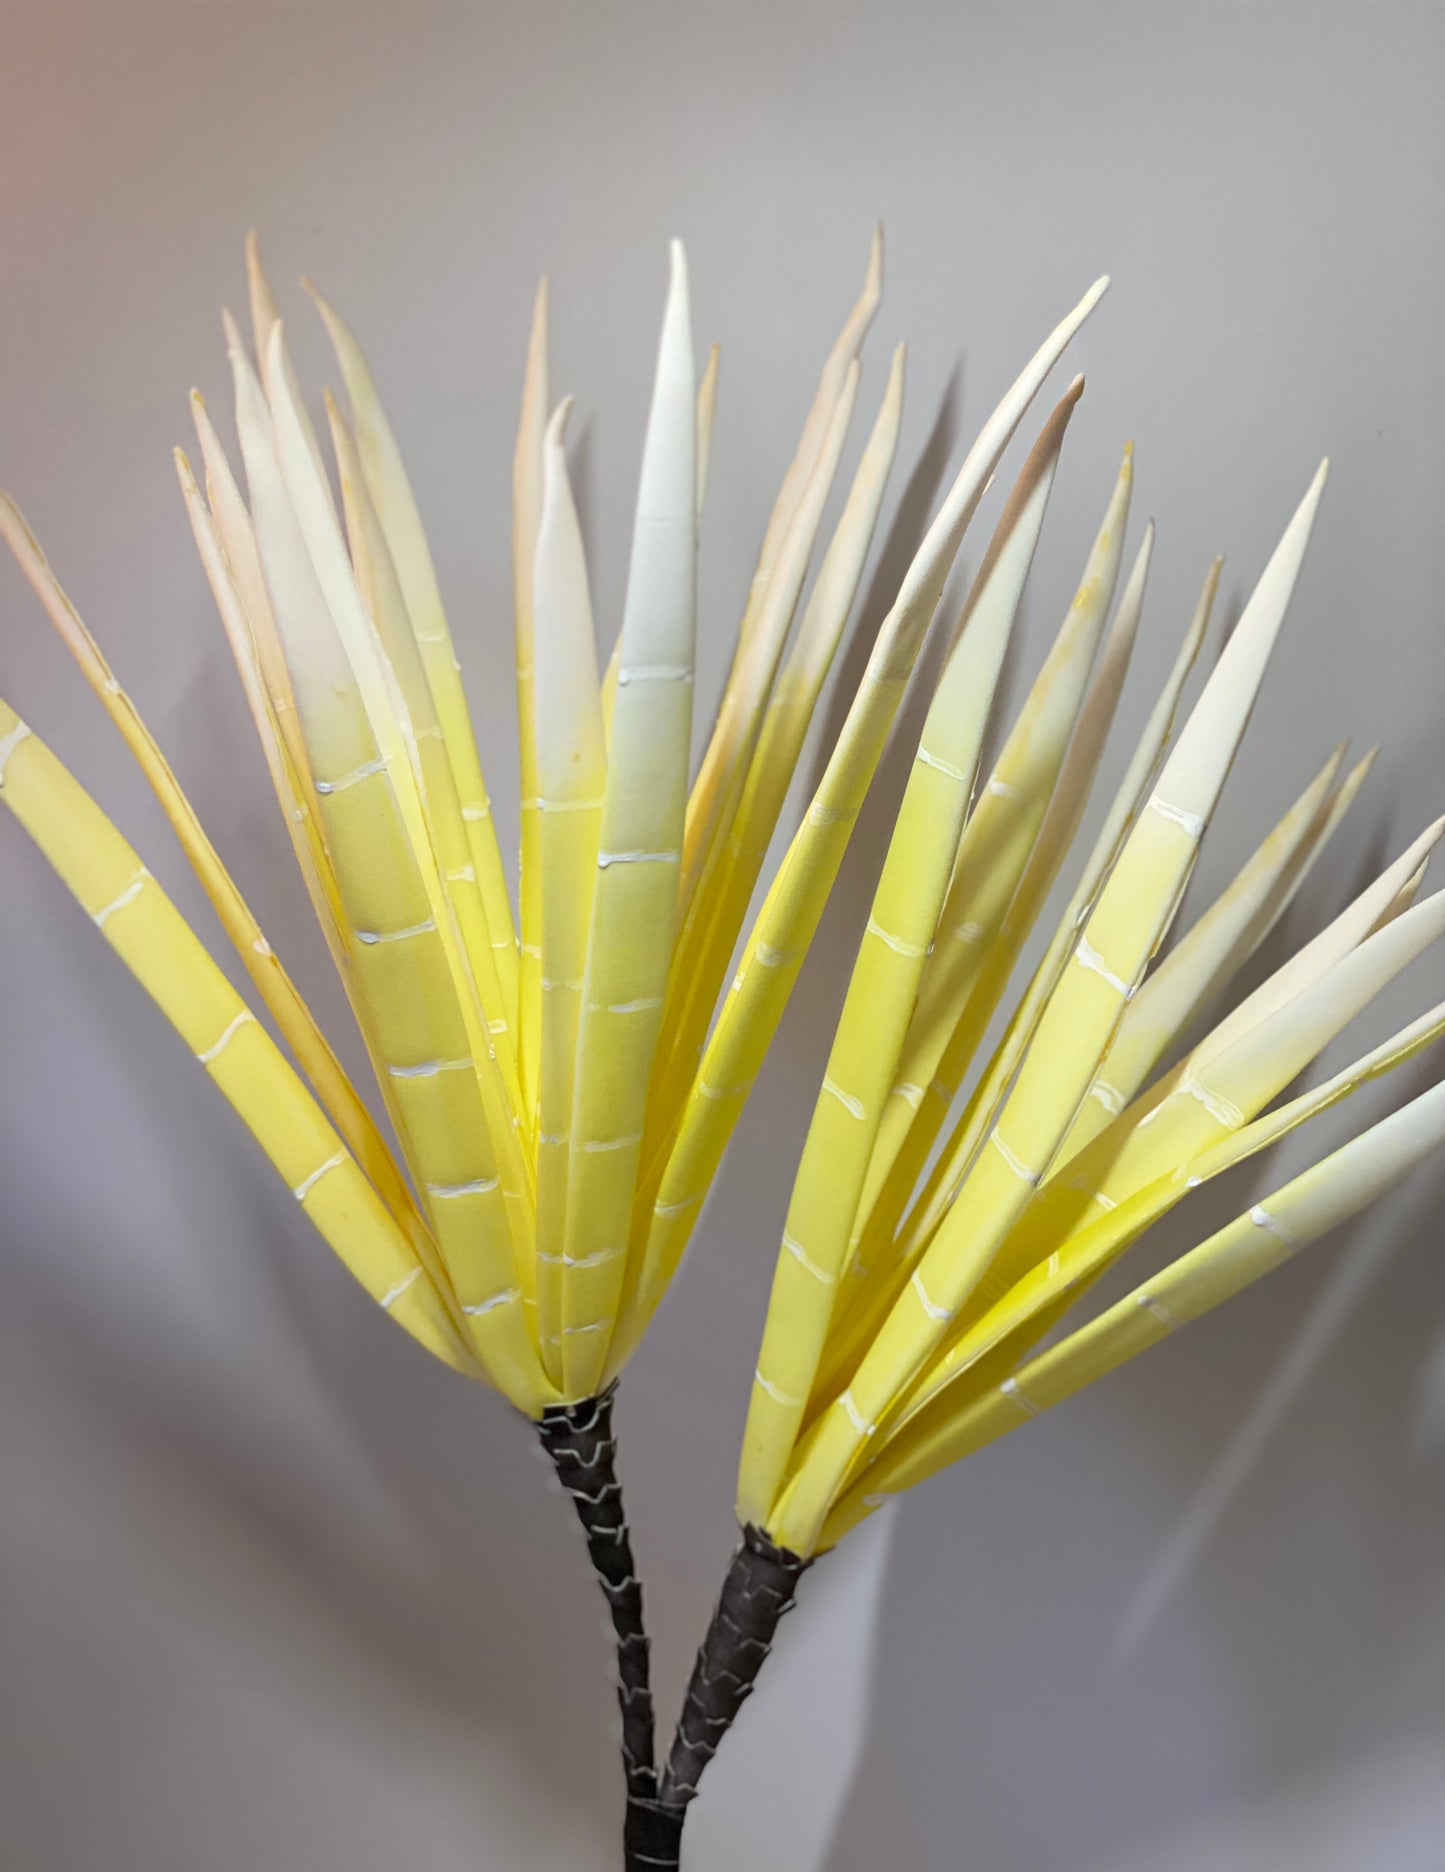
(557, 423)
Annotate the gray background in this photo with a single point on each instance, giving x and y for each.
(278, 1592)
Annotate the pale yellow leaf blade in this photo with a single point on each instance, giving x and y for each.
(429, 1034)
(1107, 963)
(1329, 1193)
(571, 779)
(706, 417)
(396, 506)
(635, 900)
(282, 1001)
(1020, 1314)
(340, 1100)
(884, 985)
(1065, 811)
(154, 941)
(528, 476)
(1204, 960)
(993, 858)
(789, 916)
(710, 931)
(381, 593)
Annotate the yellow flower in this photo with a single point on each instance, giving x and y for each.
(558, 1109)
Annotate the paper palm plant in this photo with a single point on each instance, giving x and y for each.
(561, 1083)
(933, 1244)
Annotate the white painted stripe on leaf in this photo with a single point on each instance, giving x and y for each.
(505, 1298)
(653, 672)
(427, 1069)
(800, 1254)
(1087, 956)
(1158, 1309)
(389, 1299)
(1192, 822)
(479, 1186)
(853, 1106)
(127, 896)
(941, 766)
(1224, 1111)
(219, 1045)
(1262, 1218)
(895, 943)
(676, 1208)
(930, 1306)
(357, 774)
(372, 937)
(605, 859)
(776, 1392)
(1011, 1391)
(9, 743)
(1014, 1162)
(304, 1188)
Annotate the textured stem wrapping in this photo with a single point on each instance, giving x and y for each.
(760, 1587)
(580, 1445)
(652, 1838)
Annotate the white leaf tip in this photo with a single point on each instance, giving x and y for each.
(557, 423)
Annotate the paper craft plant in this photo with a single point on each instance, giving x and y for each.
(562, 1083)
(931, 1246)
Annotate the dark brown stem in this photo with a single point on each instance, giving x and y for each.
(759, 1588)
(579, 1442)
(652, 1838)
